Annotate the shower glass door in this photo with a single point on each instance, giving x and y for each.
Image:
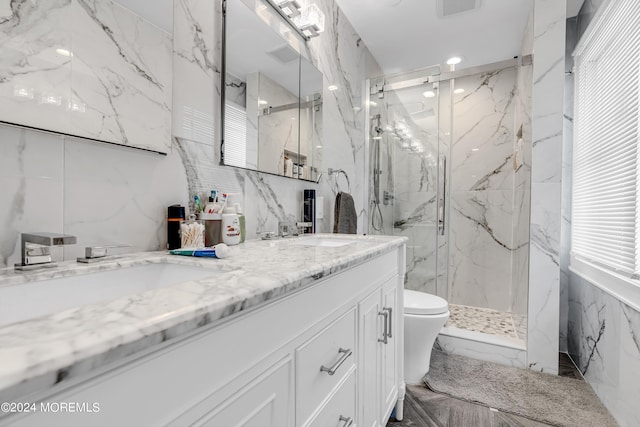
(408, 167)
(449, 169)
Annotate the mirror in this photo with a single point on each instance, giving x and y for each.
(272, 95)
(96, 69)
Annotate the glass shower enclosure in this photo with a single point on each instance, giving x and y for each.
(448, 170)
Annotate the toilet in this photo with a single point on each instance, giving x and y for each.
(424, 317)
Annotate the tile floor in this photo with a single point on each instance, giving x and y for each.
(487, 321)
(424, 408)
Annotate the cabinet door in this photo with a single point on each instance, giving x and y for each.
(265, 402)
(388, 354)
(369, 368)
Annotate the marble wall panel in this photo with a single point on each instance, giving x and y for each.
(603, 340)
(546, 175)
(88, 68)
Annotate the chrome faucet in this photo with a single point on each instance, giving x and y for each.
(36, 249)
(98, 253)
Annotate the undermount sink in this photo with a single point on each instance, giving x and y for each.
(34, 299)
(324, 242)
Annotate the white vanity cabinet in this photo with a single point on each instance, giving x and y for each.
(379, 358)
(315, 357)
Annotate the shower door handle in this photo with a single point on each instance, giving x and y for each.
(442, 196)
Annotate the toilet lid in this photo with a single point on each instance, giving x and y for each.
(422, 303)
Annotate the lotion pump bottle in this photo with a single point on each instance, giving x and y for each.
(242, 221)
(230, 226)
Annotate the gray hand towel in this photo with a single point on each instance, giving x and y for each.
(345, 218)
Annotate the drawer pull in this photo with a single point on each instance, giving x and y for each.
(332, 370)
(385, 333)
(348, 421)
(390, 310)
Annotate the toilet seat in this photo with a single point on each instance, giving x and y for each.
(423, 304)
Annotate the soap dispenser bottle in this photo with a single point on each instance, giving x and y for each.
(309, 210)
(230, 226)
(242, 221)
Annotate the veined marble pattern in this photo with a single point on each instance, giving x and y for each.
(106, 77)
(45, 350)
(604, 341)
(480, 249)
(483, 134)
(483, 320)
(546, 175)
(195, 70)
(121, 72)
(35, 81)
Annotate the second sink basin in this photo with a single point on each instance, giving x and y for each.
(324, 242)
(34, 299)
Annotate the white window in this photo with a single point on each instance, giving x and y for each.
(235, 136)
(606, 203)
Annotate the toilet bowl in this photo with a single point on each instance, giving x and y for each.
(424, 317)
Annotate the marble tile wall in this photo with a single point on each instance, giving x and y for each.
(604, 342)
(522, 181)
(482, 190)
(89, 68)
(106, 193)
(546, 181)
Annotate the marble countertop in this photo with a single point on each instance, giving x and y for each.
(36, 354)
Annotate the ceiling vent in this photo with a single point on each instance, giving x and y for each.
(284, 54)
(453, 7)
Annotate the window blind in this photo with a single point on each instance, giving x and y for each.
(235, 136)
(605, 205)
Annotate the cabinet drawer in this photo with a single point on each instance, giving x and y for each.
(327, 349)
(340, 408)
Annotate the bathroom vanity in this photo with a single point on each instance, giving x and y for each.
(294, 332)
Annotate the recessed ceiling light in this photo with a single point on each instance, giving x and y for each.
(475, 149)
(458, 91)
(454, 60)
(63, 52)
(429, 94)
(332, 87)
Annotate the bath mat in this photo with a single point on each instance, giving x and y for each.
(541, 397)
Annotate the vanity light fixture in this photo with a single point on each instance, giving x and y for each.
(308, 20)
(289, 7)
(429, 94)
(332, 87)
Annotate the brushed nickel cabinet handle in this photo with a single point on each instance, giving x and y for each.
(385, 314)
(348, 421)
(390, 310)
(332, 370)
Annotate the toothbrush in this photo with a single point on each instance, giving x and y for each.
(197, 199)
(218, 251)
(225, 197)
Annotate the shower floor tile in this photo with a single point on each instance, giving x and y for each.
(482, 320)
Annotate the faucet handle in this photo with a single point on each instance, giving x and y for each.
(95, 253)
